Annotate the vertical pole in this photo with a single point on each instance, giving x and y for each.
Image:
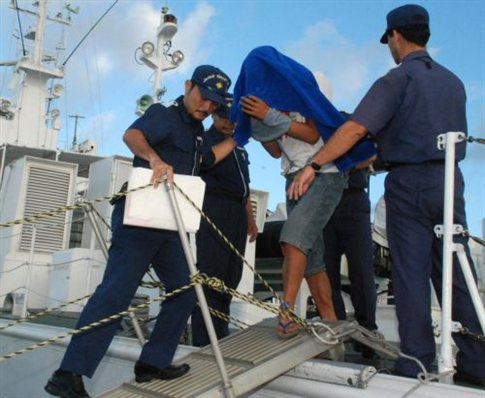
(158, 70)
(39, 33)
(471, 284)
(226, 382)
(446, 360)
(74, 139)
(104, 249)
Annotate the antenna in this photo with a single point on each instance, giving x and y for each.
(74, 139)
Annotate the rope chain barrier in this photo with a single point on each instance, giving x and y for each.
(211, 282)
(475, 140)
(100, 322)
(228, 242)
(42, 313)
(63, 209)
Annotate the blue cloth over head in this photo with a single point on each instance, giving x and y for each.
(287, 85)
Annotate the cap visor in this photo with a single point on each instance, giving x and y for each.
(222, 113)
(384, 38)
(211, 95)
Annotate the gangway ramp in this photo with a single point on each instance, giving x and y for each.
(253, 357)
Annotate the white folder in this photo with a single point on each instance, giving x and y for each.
(150, 207)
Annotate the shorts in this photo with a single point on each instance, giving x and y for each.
(308, 216)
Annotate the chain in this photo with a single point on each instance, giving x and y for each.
(477, 140)
(94, 324)
(474, 336)
(467, 234)
(218, 285)
(63, 209)
(229, 319)
(42, 313)
(229, 243)
(198, 278)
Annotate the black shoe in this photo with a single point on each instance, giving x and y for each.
(66, 385)
(366, 351)
(468, 380)
(144, 372)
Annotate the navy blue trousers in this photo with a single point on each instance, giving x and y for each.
(349, 232)
(132, 250)
(414, 205)
(215, 258)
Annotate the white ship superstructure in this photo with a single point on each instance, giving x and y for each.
(54, 237)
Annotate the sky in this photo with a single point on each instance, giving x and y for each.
(338, 38)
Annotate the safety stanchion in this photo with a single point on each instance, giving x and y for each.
(227, 387)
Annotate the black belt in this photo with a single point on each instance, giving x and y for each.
(432, 162)
(354, 189)
(227, 195)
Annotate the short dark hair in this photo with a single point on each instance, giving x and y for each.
(418, 34)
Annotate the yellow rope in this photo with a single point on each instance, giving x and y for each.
(42, 313)
(228, 242)
(94, 324)
(80, 205)
(213, 283)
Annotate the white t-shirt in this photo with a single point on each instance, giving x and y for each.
(295, 153)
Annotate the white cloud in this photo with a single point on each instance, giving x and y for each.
(193, 36)
(350, 69)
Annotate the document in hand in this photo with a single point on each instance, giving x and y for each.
(150, 207)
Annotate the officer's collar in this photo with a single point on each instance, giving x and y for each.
(183, 112)
(415, 55)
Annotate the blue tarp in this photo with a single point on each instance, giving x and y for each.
(287, 85)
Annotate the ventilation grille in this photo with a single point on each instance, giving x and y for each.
(47, 189)
(254, 205)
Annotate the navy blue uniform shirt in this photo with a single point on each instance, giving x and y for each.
(174, 135)
(410, 106)
(230, 175)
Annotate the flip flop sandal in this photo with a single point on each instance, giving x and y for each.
(287, 330)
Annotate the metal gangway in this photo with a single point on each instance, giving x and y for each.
(253, 357)
(244, 360)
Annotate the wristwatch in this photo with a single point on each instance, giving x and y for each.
(314, 165)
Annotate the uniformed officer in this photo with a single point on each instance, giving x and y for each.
(349, 232)
(405, 111)
(166, 140)
(227, 206)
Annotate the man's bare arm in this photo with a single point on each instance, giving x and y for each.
(343, 139)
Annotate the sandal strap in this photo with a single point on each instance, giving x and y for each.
(285, 325)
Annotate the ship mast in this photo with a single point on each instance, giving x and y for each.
(24, 123)
(160, 59)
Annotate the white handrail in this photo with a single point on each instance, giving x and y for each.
(445, 363)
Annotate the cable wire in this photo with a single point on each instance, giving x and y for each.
(88, 32)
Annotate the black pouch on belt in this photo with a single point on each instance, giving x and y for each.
(123, 189)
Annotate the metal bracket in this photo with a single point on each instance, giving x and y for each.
(457, 230)
(457, 136)
(455, 327)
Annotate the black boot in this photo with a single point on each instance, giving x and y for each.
(66, 385)
(144, 372)
(468, 380)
